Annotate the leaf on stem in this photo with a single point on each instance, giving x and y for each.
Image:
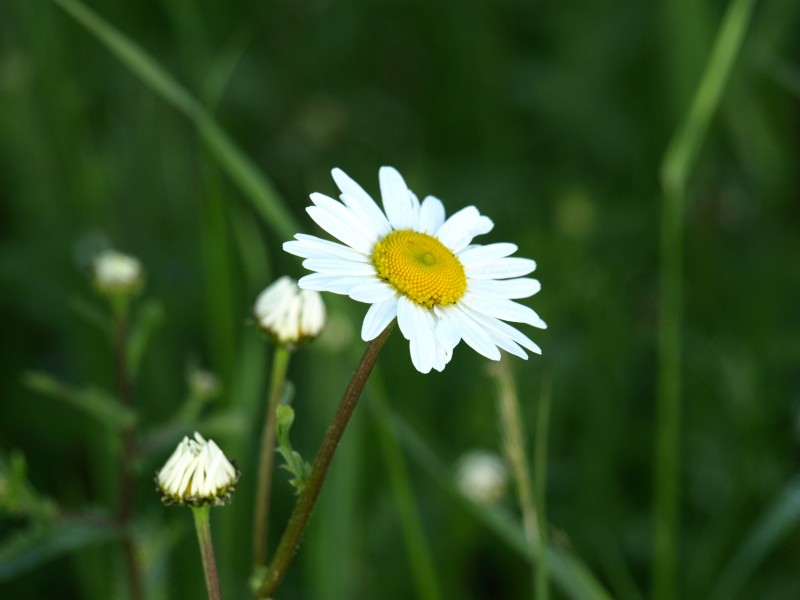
(97, 403)
(294, 462)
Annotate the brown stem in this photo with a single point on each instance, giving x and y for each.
(126, 491)
(311, 488)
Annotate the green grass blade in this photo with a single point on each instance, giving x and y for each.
(773, 526)
(679, 159)
(236, 164)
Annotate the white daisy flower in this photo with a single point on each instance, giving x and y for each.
(411, 263)
(197, 473)
(288, 314)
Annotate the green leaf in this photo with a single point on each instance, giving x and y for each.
(294, 462)
(17, 496)
(94, 402)
(26, 549)
(773, 526)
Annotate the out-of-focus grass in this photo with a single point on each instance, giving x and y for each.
(552, 119)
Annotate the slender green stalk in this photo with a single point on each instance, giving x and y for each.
(516, 455)
(540, 479)
(238, 166)
(418, 549)
(307, 498)
(126, 487)
(679, 158)
(280, 363)
(203, 527)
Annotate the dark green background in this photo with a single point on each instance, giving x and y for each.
(551, 118)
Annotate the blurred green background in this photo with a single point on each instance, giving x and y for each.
(551, 118)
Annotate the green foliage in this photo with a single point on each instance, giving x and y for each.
(39, 542)
(293, 462)
(191, 135)
(90, 400)
(18, 498)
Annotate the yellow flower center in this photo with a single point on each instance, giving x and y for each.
(420, 267)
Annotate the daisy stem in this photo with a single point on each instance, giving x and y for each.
(202, 525)
(280, 363)
(287, 547)
(678, 162)
(126, 488)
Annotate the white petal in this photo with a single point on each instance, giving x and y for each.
(335, 284)
(502, 268)
(479, 254)
(447, 332)
(431, 215)
(475, 337)
(457, 232)
(309, 246)
(344, 214)
(372, 291)
(417, 325)
(397, 201)
(508, 288)
(339, 266)
(341, 230)
(507, 310)
(505, 329)
(360, 202)
(377, 318)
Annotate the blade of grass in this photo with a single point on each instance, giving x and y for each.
(773, 526)
(250, 181)
(417, 545)
(679, 158)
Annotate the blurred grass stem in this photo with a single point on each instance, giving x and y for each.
(307, 498)
(280, 364)
(679, 159)
(516, 455)
(418, 549)
(202, 525)
(126, 486)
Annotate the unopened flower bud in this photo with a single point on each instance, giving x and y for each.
(288, 314)
(482, 476)
(117, 274)
(197, 473)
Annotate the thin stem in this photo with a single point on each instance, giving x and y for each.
(126, 491)
(203, 527)
(516, 455)
(280, 364)
(311, 488)
(540, 479)
(679, 159)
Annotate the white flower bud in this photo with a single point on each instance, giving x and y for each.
(288, 314)
(482, 476)
(197, 473)
(116, 273)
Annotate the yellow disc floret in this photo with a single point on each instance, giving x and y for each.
(420, 267)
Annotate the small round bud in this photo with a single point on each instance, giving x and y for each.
(289, 315)
(197, 473)
(482, 476)
(117, 274)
